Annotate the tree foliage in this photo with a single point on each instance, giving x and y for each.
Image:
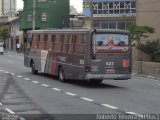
(4, 32)
(138, 32)
(151, 47)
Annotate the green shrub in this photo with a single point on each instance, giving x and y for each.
(151, 47)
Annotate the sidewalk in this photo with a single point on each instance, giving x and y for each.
(13, 52)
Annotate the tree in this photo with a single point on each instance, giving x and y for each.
(138, 32)
(4, 33)
(150, 48)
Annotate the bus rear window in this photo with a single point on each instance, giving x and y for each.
(112, 43)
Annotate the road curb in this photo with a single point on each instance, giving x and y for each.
(146, 76)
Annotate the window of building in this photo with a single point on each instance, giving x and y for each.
(114, 7)
(133, 4)
(29, 17)
(105, 6)
(111, 5)
(100, 12)
(44, 17)
(97, 24)
(112, 24)
(104, 24)
(41, 0)
(121, 25)
(100, 5)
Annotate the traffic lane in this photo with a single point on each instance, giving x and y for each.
(123, 94)
(52, 101)
(141, 96)
(134, 94)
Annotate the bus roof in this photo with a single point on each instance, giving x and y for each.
(78, 30)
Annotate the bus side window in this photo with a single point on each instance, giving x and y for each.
(53, 41)
(58, 44)
(41, 42)
(45, 40)
(38, 38)
(29, 41)
(71, 43)
(79, 46)
(34, 41)
(65, 43)
(49, 43)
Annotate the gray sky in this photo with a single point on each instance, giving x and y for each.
(76, 3)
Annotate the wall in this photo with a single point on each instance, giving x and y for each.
(148, 13)
(148, 68)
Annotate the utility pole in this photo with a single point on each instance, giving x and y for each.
(10, 12)
(91, 10)
(2, 7)
(33, 16)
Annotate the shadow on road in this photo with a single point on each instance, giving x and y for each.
(82, 83)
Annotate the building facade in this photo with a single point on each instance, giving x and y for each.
(110, 14)
(148, 14)
(48, 14)
(7, 8)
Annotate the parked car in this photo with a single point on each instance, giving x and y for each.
(1, 49)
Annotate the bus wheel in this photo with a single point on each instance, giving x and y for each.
(95, 81)
(61, 74)
(34, 71)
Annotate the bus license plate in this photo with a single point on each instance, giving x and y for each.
(110, 70)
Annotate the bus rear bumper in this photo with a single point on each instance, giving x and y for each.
(108, 76)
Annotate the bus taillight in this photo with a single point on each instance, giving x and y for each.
(125, 63)
(87, 68)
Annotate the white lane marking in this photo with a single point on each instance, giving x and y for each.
(150, 77)
(1, 70)
(12, 74)
(27, 79)
(7, 97)
(56, 89)
(10, 61)
(10, 111)
(69, 93)
(35, 82)
(109, 106)
(0, 103)
(6, 72)
(45, 85)
(132, 113)
(19, 76)
(87, 99)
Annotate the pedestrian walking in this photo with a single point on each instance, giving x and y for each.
(18, 47)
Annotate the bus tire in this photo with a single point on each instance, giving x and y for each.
(33, 69)
(61, 75)
(96, 81)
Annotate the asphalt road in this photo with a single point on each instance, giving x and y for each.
(44, 97)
